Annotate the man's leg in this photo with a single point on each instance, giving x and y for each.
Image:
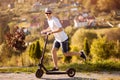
(56, 46)
(54, 57)
(81, 54)
(65, 48)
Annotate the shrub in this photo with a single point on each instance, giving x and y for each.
(6, 54)
(101, 49)
(78, 38)
(117, 50)
(35, 51)
(69, 30)
(67, 59)
(86, 46)
(16, 40)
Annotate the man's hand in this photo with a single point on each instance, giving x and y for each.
(49, 33)
(42, 32)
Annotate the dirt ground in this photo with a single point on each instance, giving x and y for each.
(78, 76)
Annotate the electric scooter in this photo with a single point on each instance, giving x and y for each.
(40, 71)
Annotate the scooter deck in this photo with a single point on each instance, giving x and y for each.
(56, 72)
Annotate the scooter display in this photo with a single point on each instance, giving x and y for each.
(40, 71)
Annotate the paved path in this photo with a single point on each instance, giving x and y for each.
(78, 76)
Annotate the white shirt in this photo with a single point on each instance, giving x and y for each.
(55, 24)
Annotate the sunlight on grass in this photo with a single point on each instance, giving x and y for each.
(18, 69)
(82, 67)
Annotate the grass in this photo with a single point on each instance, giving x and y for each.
(93, 67)
(82, 67)
(18, 69)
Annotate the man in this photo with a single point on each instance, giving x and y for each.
(61, 38)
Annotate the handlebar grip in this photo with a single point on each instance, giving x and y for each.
(45, 33)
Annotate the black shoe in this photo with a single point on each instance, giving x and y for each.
(82, 54)
(54, 69)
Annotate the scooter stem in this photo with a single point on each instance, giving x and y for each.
(43, 52)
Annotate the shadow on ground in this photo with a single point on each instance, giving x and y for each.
(73, 78)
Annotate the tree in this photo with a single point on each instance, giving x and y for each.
(86, 46)
(35, 50)
(16, 40)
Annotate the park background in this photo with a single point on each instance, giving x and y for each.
(100, 42)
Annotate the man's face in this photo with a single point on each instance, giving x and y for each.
(48, 15)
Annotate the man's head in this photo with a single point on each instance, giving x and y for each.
(48, 11)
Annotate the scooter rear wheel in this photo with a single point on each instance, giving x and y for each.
(71, 72)
(39, 73)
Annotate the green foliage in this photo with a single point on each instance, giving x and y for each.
(101, 49)
(6, 55)
(4, 52)
(105, 65)
(35, 51)
(78, 38)
(69, 31)
(31, 49)
(86, 46)
(67, 59)
(74, 48)
(117, 50)
(19, 69)
(108, 65)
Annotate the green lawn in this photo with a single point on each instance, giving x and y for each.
(82, 67)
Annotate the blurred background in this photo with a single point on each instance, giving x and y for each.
(92, 26)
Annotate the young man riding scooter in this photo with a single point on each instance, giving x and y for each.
(61, 38)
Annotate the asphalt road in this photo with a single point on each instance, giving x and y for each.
(78, 76)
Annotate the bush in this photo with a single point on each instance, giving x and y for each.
(67, 59)
(86, 46)
(79, 36)
(35, 51)
(6, 55)
(117, 50)
(101, 49)
(16, 40)
(69, 30)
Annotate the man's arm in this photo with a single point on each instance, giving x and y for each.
(46, 30)
(58, 30)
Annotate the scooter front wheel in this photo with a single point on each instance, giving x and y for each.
(71, 72)
(39, 73)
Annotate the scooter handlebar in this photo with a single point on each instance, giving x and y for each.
(45, 33)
